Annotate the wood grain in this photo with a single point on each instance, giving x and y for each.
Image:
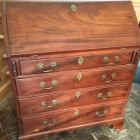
(117, 123)
(68, 118)
(68, 99)
(50, 27)
(68, 80)
(72, 63)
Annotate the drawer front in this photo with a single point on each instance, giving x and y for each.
(73, 80)
(58, 27)
(71, 117)
(73, 98)
(76, 62)
(4, 75)
(2, 59)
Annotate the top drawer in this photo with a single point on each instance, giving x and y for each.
(74, 62)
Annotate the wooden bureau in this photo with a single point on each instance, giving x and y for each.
(71, 63)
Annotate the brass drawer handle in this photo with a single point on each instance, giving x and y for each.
(43, 84)
(104, 77)
(1, 36)
(41, 66)
(97, 113)
(46, 123)
(106, 59)
(100, 95)
(45, 104)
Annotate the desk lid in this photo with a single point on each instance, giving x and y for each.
(36, 28)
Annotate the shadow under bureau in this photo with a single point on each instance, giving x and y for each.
(71, 63)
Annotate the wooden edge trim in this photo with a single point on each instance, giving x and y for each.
(15, 96)
(117, 123)
(136, 65)
(5, 29)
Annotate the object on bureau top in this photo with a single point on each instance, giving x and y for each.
(71, 63)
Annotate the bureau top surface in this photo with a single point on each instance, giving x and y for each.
(48, 27)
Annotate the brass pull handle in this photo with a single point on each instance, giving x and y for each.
(43, 84)
(45, 104)
(104, 77)
(106, 60)
(1, 36)
(100, 95)
(41, 66)
(73, 7)
(0, 15)
(46, 123)
(97, 113)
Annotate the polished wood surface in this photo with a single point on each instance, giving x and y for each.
(77, 39)
(66, 81)
(51, 27)
(70, 99)
(74, 62)
(117, 123)
(68, 118)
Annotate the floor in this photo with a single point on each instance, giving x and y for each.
(130, 131)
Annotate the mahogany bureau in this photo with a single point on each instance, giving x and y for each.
(71, 63)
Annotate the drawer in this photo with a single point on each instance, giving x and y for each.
(61, 81)
(4, 75)
(71, 118)
(3, 61)
(75, 62)
(73, 98)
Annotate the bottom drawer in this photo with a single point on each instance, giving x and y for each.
(67, 118)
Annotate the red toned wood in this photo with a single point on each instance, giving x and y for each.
(14, 68)
(136, 61)
(54, 27)
(13, 83)
(117, 122)
(68, 99)
(68, 118)
(68, 80)
(71, 63)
